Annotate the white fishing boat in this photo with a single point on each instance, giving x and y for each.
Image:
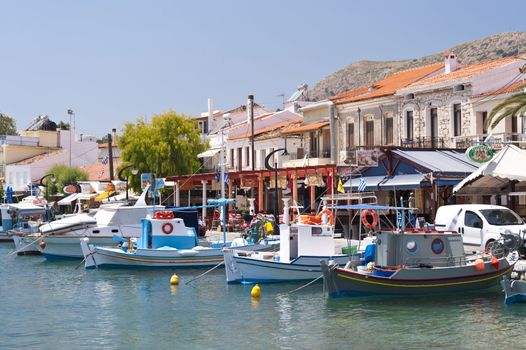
(15, 217)
(302, 246)
(165, 242)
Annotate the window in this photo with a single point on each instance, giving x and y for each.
(204, 129)
(409, 125)
(501, 217)
(369, 133)
(247, 156)
(457, 119)
(231, 157)
(350, 135)
(313, 146)
(484, 119)
(514, 128)
(433, 116)
(389, 131)
(472, 220)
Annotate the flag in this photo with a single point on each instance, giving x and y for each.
(340, 186)
(105, 160)
(362, 185)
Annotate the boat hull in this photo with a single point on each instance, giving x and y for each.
(413, 281)
(68, 246)
(247, 270)
(101, 257)
(25, 248)
(515, 291)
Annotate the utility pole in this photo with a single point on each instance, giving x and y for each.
(110, 155)
(71, 114)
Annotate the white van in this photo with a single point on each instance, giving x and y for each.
(479, 224)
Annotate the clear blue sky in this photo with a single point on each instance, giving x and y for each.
(112, 61)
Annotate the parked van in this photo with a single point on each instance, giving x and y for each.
(479, 224)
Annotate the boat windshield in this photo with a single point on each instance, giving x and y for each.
(501, 217)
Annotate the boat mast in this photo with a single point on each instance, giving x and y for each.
(222, 180)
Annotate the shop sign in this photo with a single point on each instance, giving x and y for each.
(480, 153)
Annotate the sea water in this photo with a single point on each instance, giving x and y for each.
(52, 305)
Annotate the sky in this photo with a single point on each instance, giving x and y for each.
(111, 61)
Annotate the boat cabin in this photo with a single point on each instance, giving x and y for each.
(163, 230)
(419, 248)
(306, 240)
(17, 215)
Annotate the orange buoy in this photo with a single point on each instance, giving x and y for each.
(42, 244)
(495, 262)
(479, 265)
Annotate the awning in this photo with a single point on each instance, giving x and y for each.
(371, 183)
(209, 153)
(104, 195)
(403, 182)
(69, 199)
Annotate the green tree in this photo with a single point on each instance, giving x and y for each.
(63, 125)
(64, 176)
(7, 125)
(169, 145)
(514, 105)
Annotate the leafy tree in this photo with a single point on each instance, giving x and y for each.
(169, 145)
(64, 176)
(63, 125)
(7, 125)
(514, 105)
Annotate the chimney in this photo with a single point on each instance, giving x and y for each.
(450, 61)
(114, 136)
(210, 110)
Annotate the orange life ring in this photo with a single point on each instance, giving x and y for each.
(329, 214)
(167, 228)
(365, 222)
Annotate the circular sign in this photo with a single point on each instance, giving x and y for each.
(70, 189)
(411, 246)
(437, 246)
(480, 153)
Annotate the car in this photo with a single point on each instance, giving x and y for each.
(479, 224)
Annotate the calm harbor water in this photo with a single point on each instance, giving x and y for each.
(50, 305)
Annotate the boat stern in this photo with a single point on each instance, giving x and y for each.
(88, 253)
(233, 273)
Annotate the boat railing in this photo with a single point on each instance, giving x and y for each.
(439, 261)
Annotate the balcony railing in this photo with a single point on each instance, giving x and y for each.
(424, 142)
(14, 140)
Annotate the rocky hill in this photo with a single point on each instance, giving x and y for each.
(365, 72)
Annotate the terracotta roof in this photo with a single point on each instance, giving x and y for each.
(387, 86)
(267, 129)
(37, 157)
(464, 72)
(513, 88)
(307, 128)
(95, 170)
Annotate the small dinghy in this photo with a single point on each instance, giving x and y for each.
(515, 290)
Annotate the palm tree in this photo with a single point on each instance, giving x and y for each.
(512, 106)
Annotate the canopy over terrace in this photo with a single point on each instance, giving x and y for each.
(256, 180)
(498, 176)
(399, 169)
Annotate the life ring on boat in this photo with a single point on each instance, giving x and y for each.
(329, 214)
(167, 228)
(158, 215)
(366, 222)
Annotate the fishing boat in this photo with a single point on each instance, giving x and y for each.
(301, 247)
(15, 217)
(418, 261)
(515, 290)
(165, 242)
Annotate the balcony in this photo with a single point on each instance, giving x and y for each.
(302, 158)
(424, 142)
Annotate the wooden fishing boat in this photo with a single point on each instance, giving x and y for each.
(409, 262)
(515, 290)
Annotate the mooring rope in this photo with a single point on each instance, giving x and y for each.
(305, 285)
(204, 273)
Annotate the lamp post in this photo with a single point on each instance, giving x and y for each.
(71, 114)
(134, 171)
(275, 169)
(53, 180)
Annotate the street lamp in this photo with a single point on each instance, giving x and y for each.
(134, 171)
(71, 113)
(53, 180)
(275, 169)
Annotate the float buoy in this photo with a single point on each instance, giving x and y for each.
(174, 280)
(479, 265)
(495, 262)
(256, 291)
(42, 245)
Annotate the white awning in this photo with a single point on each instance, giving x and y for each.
(209, 153)
(69, 199)
(402, 182)
(371, 183)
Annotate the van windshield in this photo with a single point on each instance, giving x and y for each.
(501, 217)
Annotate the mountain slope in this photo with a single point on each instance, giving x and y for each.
(365, 72)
